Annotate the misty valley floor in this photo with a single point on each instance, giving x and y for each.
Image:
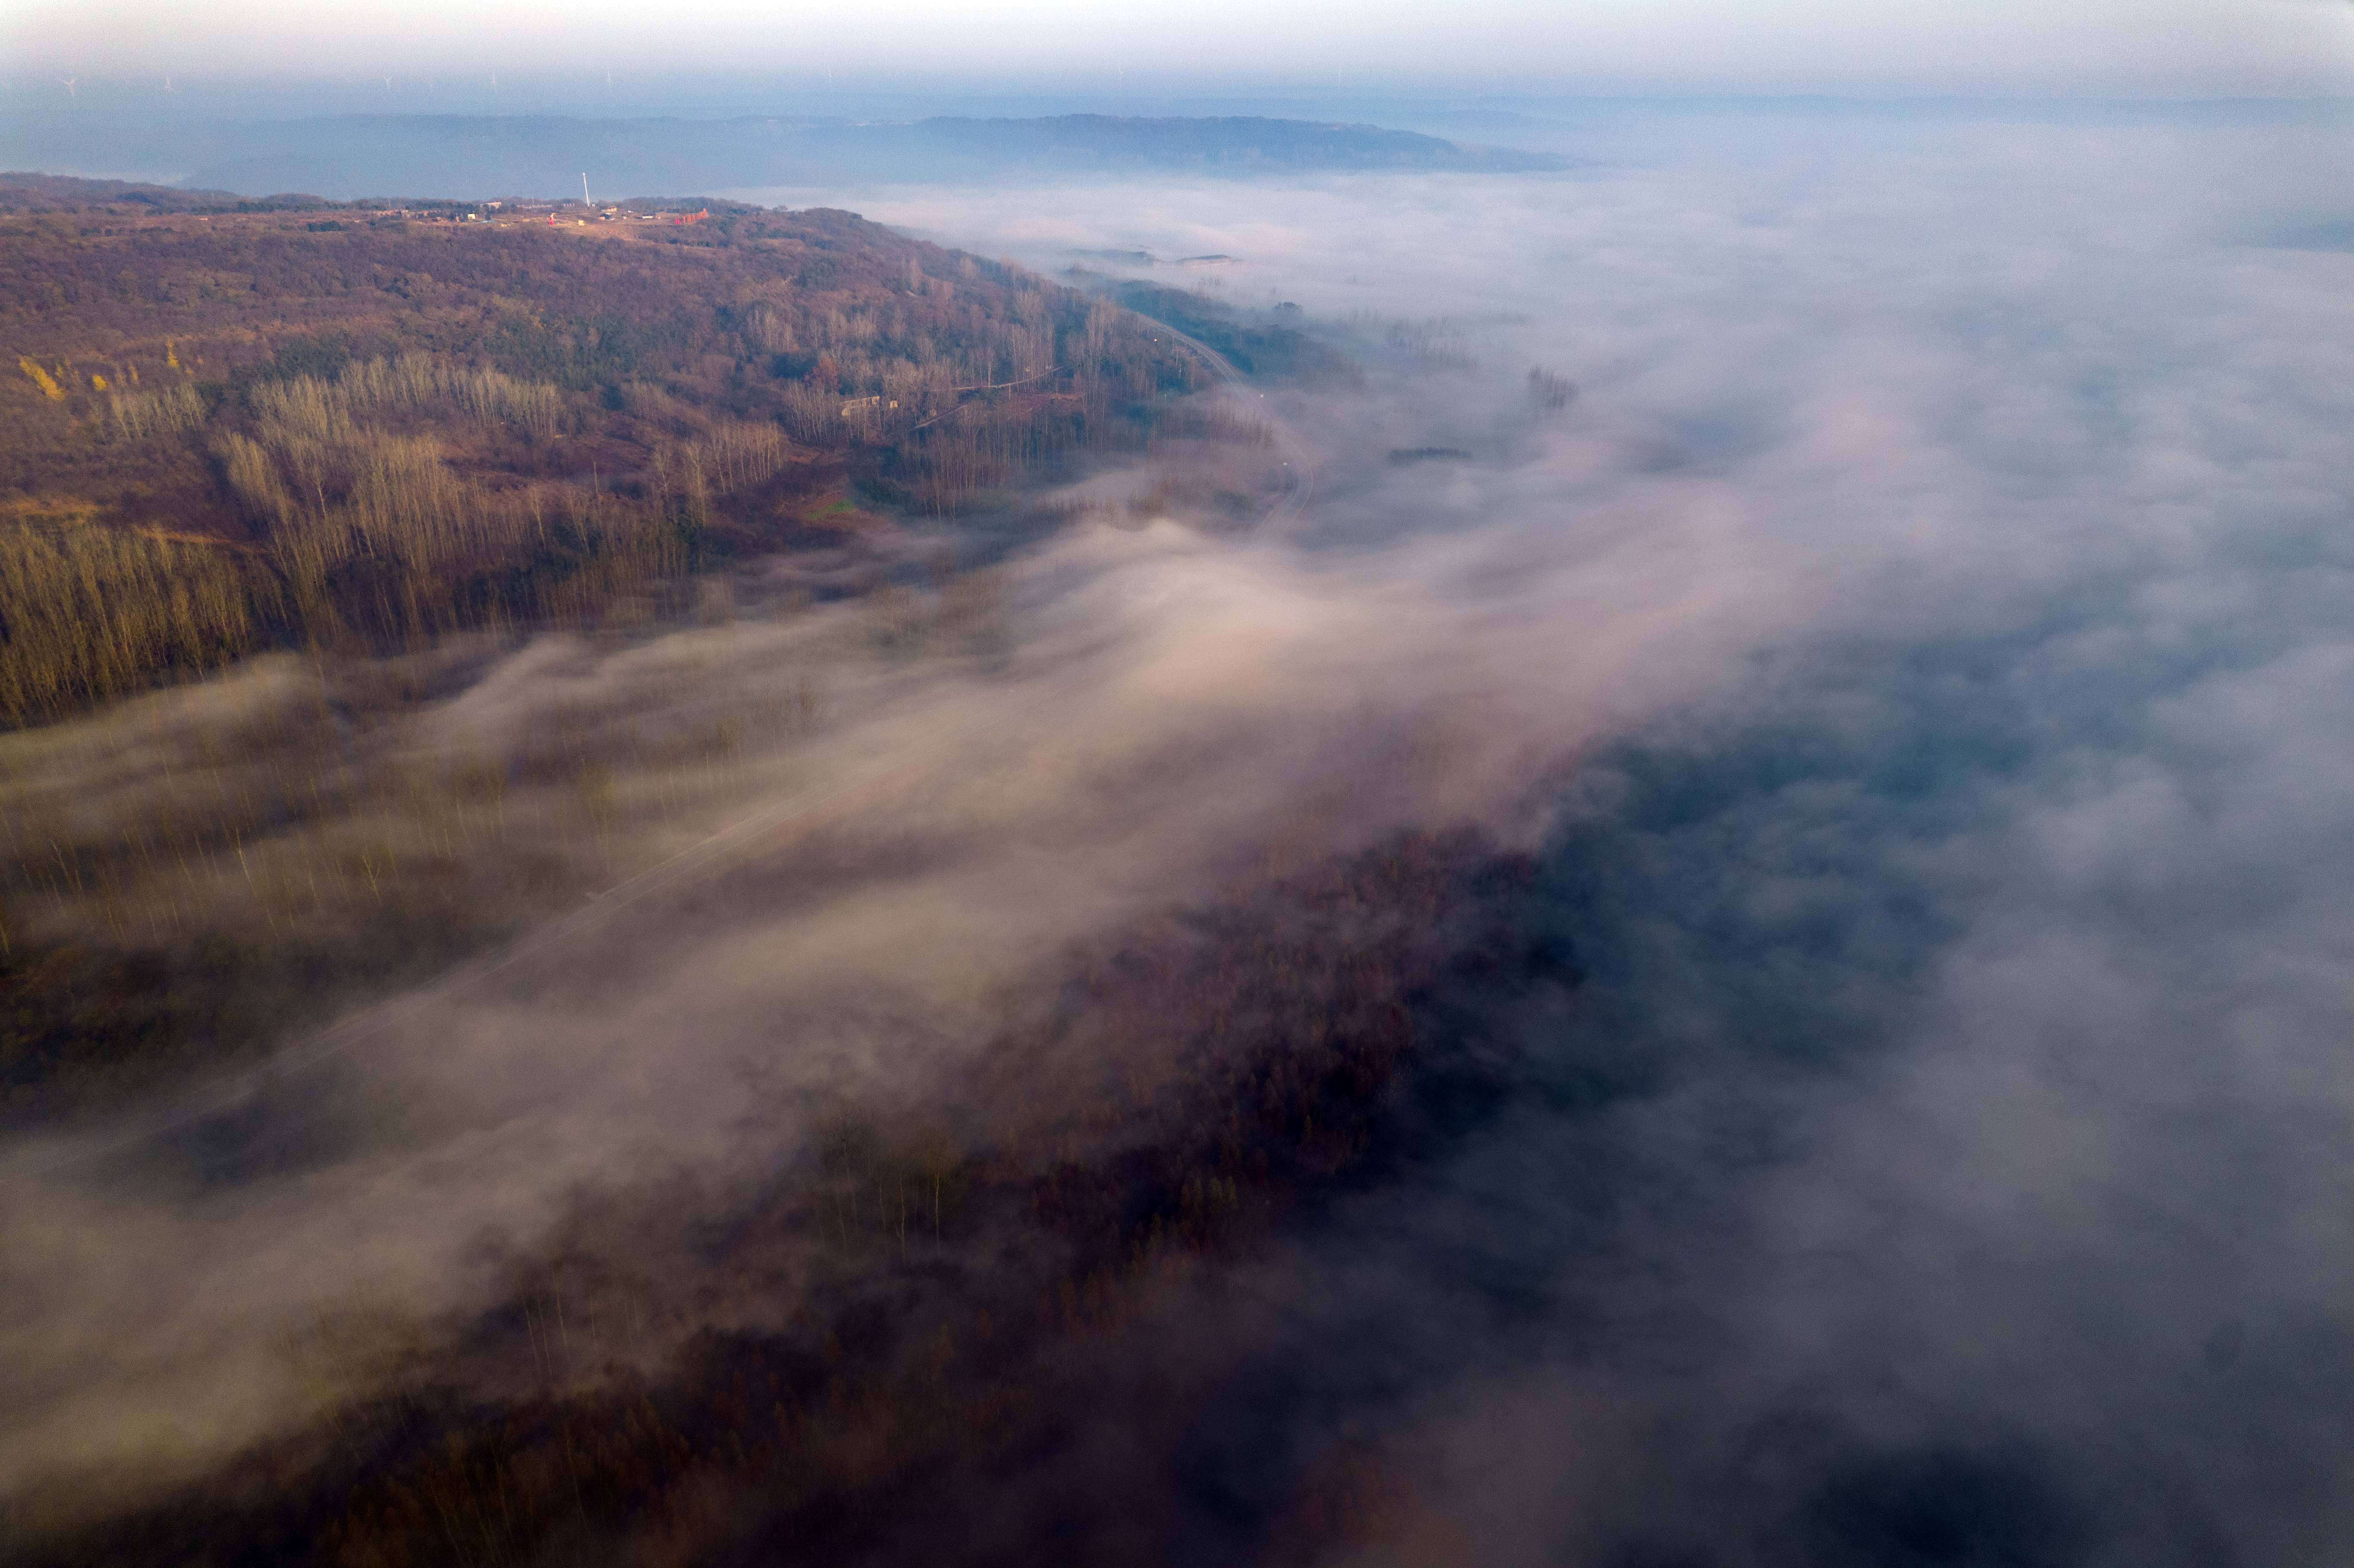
(1722, 942)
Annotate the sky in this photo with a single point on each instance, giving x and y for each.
(2164, 47)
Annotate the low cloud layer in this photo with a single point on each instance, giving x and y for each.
(1980, 900)
(1917, 660)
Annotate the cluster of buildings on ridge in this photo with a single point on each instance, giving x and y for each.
(552, 211)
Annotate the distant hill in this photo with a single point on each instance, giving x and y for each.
(24, 191)
(418, 155)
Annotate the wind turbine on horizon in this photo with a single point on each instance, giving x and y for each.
(70, 82)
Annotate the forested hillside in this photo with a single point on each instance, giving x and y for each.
(933, 1302)
(341, 426)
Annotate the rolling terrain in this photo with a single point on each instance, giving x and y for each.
(300, 484)
(399, 443)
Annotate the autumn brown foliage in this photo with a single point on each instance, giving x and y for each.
(930, 1310)
(378, 430)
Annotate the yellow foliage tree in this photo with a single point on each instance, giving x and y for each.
(41, 378)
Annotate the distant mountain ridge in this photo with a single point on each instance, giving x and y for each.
(434, 155)
(27, 190)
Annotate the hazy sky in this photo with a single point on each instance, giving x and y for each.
(1936, 46)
